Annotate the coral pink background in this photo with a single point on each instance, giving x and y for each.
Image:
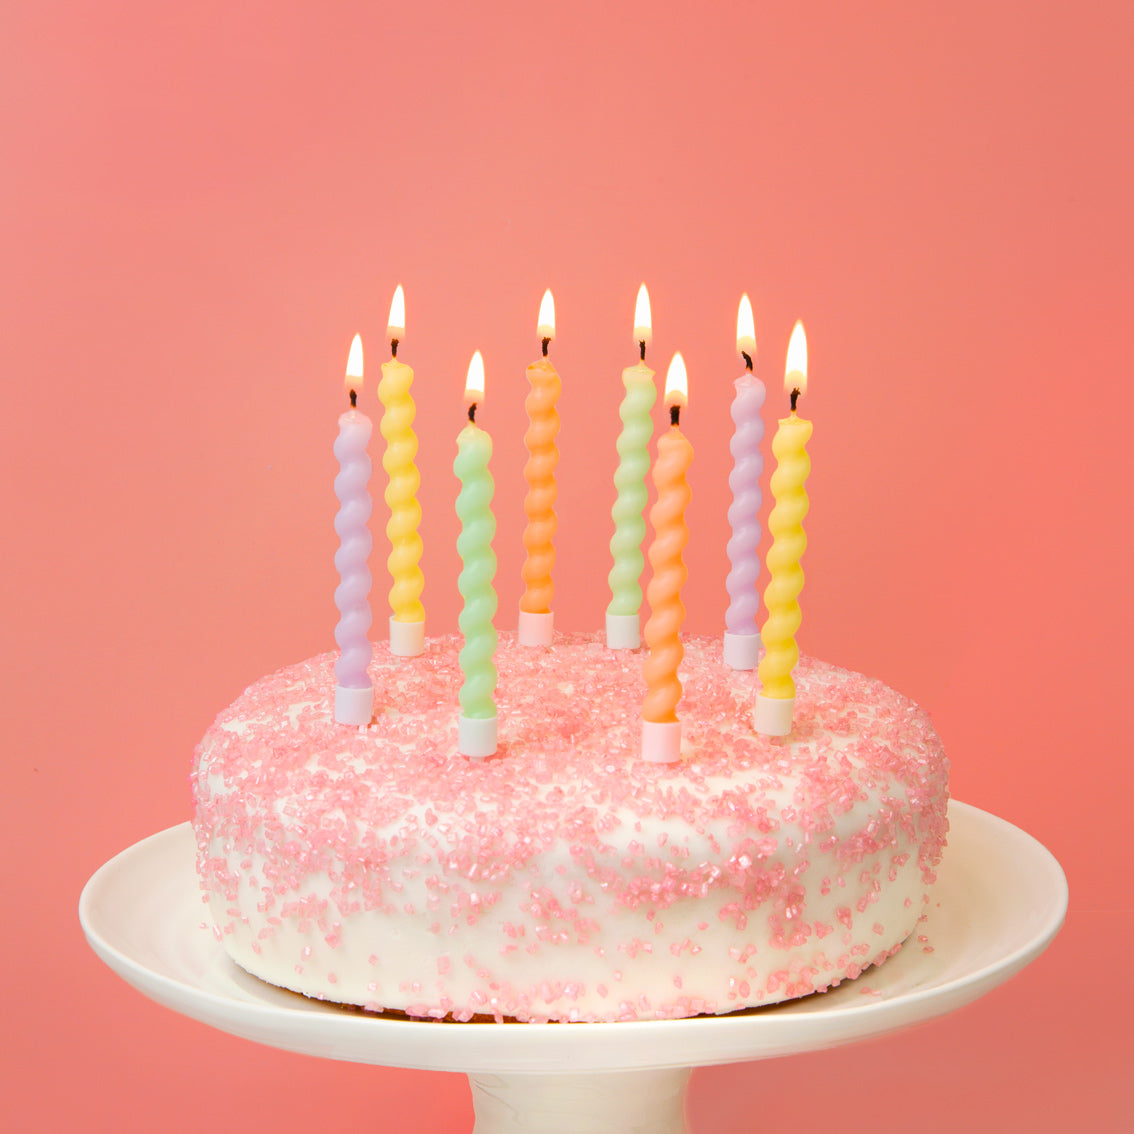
(201, 203)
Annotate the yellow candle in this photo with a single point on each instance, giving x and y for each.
(539, 503)
(775, 702)
(407, 623)
(661, 730)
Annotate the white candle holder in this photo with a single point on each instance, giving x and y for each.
(407, 639)
(741, 651)
(536, 629)
(773, 715)
(476, 737)
(354, 706)
(661, 741)
(623, 632)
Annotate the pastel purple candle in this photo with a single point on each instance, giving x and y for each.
(742, 634)
(354, 692)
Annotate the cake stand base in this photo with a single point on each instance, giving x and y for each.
(616, 1102)
(999, 900)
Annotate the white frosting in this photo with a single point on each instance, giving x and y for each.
(564, 878)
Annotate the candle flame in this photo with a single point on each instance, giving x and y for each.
(396, 327)
(474, 383)
(546, 328)
(676, 383)
(745, 328)
(795, 374)
(354, 364)
(643, 326)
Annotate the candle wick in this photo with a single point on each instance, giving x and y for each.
(642, 349)
(545, 342)
(747, 359)
(794, 398)
(472, 412)
(353, 400)
(393, 348)
(675, 414)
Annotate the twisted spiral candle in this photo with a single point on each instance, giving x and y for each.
(776, 699)
(744, 511)
(354, 693)
(539, 472)
(661, 735)
(742, 636)
(407, 622)
(629, 511)
(622, 628)
(478, 570)
(539, 503)
(401, 492)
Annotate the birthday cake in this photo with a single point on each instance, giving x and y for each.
(564, 878)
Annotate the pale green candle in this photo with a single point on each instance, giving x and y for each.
(622, 631)
(477, 727)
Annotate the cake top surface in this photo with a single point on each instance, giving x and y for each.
(568, 757)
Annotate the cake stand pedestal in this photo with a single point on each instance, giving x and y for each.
(1000, 898)
(610, 1102)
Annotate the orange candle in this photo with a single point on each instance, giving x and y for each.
(661, 730)
(543, 426)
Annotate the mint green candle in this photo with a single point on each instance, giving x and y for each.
(478, 570)
(629, 507)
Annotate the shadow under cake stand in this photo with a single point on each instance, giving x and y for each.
(999, 900)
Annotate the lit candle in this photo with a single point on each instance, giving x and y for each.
(622, 630)
(661, 730)
(742, 636)
(477, 726)
(354, 693)
(407, 622)
(775, 702)
(539, 504)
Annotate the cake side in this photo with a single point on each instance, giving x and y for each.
(564, 878)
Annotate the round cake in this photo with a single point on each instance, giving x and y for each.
(564, 878)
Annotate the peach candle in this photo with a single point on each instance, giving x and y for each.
(661, 730)
(536, 619)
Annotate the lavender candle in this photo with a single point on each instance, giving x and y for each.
(354, 692)
(742, 634)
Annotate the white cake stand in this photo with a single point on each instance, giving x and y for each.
(1000, 899)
